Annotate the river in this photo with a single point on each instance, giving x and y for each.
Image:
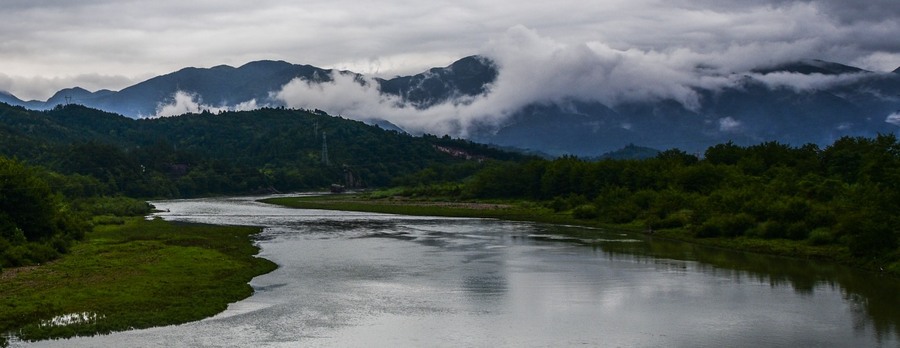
(360, 279)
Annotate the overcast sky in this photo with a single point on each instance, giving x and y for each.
(46, 45)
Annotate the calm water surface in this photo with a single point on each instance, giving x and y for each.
(362, 280)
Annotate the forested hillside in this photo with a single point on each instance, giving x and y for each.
(847, 194)
(265, 150)
(72, 166)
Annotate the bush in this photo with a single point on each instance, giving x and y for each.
(725, 226)
(620, 213)
(16, 256)
(677, 219)
(9, 231)
(116, 206)
(40, 253)
(29, 254)
(820, 236)
(798, 231)
(586, 212)
(558, 204)
(866, 236)
(771, 229)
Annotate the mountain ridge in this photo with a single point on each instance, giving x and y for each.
(761, 106)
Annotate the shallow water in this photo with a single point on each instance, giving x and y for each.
(360, 279)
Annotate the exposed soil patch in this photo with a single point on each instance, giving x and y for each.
(10, 273)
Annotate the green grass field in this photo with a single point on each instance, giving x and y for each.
(137, 274)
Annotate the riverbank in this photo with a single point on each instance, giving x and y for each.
(531, 211)
(137, 274)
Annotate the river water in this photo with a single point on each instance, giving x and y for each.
(362, 280)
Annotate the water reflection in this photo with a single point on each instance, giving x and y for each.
(873, 299)
(353, 279)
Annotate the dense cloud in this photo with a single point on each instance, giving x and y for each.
(49, 45)
(345, 96)
(539, 69)
(182, 102)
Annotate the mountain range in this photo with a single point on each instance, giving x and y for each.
(759, 106)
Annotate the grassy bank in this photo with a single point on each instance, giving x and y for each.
(531, 211)
(130, 275)
(506, 210)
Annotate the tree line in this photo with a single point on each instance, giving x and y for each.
(65, 169)
(845, 194)
(265, 150)
(42, 213)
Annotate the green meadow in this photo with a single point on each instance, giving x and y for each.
(132, 274)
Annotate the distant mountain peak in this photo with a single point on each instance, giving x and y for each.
(468, 76)
(264, 62)
(818, 111)
(70, 95)
(222, 67)
(72, 90)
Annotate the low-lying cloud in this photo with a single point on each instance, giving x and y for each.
(537, 69)
(183, 102)
(346, 96)
(806, 82)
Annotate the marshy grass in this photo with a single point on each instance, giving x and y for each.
(130, 275)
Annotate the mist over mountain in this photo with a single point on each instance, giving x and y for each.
(581, 106)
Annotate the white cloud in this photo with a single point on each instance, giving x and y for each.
(134, 39)
(190, 103)
(729, 125)
(879, 61)
(893, 119)
(804, 82)
(246, 106)
(182, 103)
(540, 69)
(345, 96)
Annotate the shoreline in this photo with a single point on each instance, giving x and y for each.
(533, 212)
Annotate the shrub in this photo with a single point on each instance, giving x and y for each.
(16, 256)
(820, 236)
(586, 212)
(677, 219)
(771, 229)
(558, 204)
(725, 226)
(797, 231)
(620, 213)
